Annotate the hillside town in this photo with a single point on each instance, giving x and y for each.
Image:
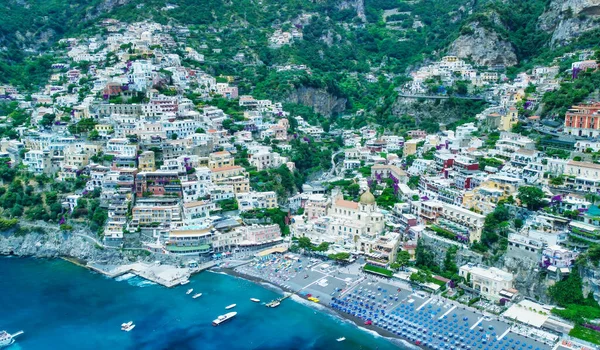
(171, 160)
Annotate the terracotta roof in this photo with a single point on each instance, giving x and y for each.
(584, 164)
(194, 204)
(346, 204)
(225, 168)
(525, 151)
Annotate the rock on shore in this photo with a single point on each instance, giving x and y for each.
(53, 243)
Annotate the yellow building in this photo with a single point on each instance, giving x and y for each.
(220, 159)
(146, 161)
(410, 147)
(486, 196)
(104, 129)
(235, 176)
(509, 119)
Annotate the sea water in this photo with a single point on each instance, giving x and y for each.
(63, 306)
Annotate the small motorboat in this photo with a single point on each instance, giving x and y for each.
(189, 291)
(184, 282)
(230, 306)
(255, 300)
(341, 339)
(197, 295)
(127, 326)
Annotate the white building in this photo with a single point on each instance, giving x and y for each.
(489, 281)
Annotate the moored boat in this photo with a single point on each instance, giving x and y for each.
(197, 295)
(255, 300)
(230, 306)
(189, 291)
(274, 303)
(341, 339)
(7, 339)
(184, 282)
(224, 318)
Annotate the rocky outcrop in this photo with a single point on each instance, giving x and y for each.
(438, 111)
(49, 242)
(483, 46)
(524, 266)
(568, 19)
(321, 101)
(358, 5)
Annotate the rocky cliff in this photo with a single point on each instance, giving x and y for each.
(320, 100)
(568, 19)
(439, 111)
(525, 268)
(483, 46)
(44, 241)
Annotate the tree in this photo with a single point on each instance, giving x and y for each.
(47, 119)
(413, 182)
(174, 136)
(93, 135)
(402, 258)
(339, 256)
(16, 211)
(532, 197)
(323, 247)
(304, 243)
(568, 291)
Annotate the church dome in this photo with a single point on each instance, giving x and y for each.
(367, 198)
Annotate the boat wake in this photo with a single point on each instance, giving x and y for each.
(219, 272)
(124, 277)
(140, 282)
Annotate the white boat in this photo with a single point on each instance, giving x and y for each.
(7, 339)
(274, 303)
(224, 318)
(255, 300)
(197, 295)
(125, 325)
(184, 282)
(230, 306)
(341, 339)
(189, 291)
(130, 328)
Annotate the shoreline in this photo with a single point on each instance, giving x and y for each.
(355, 321)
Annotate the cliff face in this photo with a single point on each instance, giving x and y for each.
(439, 111)
(568, 19)
(525, 268)
(320, 100)
(53, 244)
(484, 47)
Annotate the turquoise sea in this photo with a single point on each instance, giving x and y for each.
(63, 306)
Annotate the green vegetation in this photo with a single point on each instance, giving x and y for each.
(339, 257)
(280, 180)
(568, 294)
(495, 231)
(275, 216)
(228, 204)
(402, 259)
(7, 224)
(586, 334)
(532, 197)
(306, 244)
(570, 93)
(378, 270)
